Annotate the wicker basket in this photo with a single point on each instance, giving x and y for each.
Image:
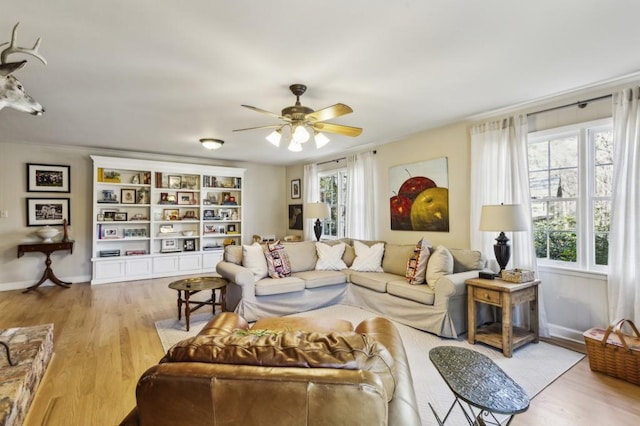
(517, 275)
(613, 353)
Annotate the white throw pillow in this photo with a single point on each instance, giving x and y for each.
(417, 263)
(440, 263)
(253, 259)
(368, 259)
(330, 257)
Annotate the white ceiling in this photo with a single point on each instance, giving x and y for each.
(157, 75)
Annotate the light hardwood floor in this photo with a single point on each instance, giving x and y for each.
(105, 339)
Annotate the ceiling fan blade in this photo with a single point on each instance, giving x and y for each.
(328, 113)
(264, 111)
(338, 128)
(270, 126)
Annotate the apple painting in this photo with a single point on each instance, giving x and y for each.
(421, 202)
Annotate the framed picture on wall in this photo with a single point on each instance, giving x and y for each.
(48, 178)
(295, 216)
(47, 211)
(295, 189)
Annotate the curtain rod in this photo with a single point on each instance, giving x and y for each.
(338, 159)
(579, 104)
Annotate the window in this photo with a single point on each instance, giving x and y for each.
(570, 180)
(333, 190)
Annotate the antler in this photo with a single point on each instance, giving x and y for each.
(15, 49)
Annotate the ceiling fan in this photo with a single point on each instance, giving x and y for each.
(302, 123)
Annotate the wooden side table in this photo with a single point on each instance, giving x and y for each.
(504, 295)
(46, 249)
(190, 286)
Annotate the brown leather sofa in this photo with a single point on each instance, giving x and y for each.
(283, 371)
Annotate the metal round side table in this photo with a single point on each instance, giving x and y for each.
(190, 286)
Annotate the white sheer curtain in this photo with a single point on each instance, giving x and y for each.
(500, 174)
(624, 237)
(311, 192)
(361, 174)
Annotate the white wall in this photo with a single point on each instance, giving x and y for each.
(263, 207)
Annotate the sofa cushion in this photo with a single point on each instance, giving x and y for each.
(277, 260)
(372, 280)
(467, 260)
(418, 293)
(253, 259)
(395, 258)
(302, 255)
(440, 263)
(268, 286)
(330, 257)
(417, 264)
(368, 259)
(341, 350)
(314, 279)
(233, 254)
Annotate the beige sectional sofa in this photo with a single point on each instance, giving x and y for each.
(438, 307)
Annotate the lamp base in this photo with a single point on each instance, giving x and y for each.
(317, 228)
(502, 250)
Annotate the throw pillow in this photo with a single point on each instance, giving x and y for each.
(368, 259)
(440, 263)
(417, 264)
(278, 263)
(467, 260)
(253, 259)
(330, 257)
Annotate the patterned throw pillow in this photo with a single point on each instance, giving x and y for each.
(417, 264)
(368, 259)
(278, 262)
(330, 257)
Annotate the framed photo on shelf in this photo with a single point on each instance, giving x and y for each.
(210, 229)
(47, 211)
(208, 214)
(169, 245)
(175, 182)
(128, 196)
(295, 189)
(108, 214)
(186, 198)
(189, 244)
(166, 229)
(48, 178)
(171, 214)
(191, 182)
(120, 217)
(110, 232)
(231, 229)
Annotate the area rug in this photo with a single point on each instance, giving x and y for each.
(533, 366)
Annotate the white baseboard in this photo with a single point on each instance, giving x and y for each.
(21, 285)
(565, 333)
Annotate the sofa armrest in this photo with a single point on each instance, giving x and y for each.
(453, 284)
(239, 275)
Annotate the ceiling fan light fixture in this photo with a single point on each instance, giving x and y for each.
(321, 140)
(295, 146)
(210, 143)
(301, 134)
(274, 137)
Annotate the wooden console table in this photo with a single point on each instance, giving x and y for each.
(46, 249)
(505, 295)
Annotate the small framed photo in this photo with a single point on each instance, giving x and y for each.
(128, 196)
(175, 182)
(186, 198)
(109, 214)
(189, 244)
(110, 232)
(190, 215)
(171, 214)
(120, 217)
(165, 229)
(210, 229)
(48, 211)
(295, 189)
(208, 214)
(100, 217)
(169, 245)
(231, 229)
(191, 182)
(48, 178)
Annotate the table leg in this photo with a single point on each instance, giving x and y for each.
(187, 308)
(507, 326)
(213, 301)
(179, 305)
(48, 275)
(533, 306)
(471, 316)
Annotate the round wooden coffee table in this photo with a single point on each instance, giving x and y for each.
(190, 286)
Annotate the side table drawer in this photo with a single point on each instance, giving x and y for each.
(484, 295)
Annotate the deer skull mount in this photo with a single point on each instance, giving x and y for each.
(12, 92)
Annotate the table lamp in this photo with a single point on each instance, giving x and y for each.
(317, 211)
(501, 218)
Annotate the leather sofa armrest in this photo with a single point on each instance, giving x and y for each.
(223, 324)
(238, 275)
(132, 418)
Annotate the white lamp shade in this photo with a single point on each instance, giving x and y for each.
(321, 140)
(274, 137)
(300, 134)
(317, 211)
(295, 146)
(503, 218)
